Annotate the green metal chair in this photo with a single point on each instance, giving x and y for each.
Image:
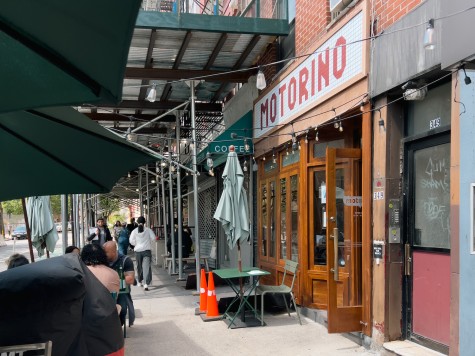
(291, 267)
(18, 350)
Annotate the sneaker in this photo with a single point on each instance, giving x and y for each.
(145, 287)
(140, 284)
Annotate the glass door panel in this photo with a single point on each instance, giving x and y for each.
(343, 237)
(295, 217)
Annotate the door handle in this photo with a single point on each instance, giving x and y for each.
(407, 259)
(335, 251)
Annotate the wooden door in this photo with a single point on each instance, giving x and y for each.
(344, 248)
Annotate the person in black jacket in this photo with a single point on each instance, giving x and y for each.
(101, 235)
(186, 241)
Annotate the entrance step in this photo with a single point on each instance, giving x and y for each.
(408, 348)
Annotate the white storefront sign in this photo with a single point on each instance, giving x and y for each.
(334, 63)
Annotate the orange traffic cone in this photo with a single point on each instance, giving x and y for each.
(212, 312)
(203, 292)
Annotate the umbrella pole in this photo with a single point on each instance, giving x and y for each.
(241, 294)
(28, 231)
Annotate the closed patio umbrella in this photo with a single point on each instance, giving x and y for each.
(43, 231)
(232, 210)
(57, 52)
(60, 151)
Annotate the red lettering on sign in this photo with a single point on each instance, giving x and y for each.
(340, 46)
(273, 108)
(323, 69)
(264, 110)
(312, 80)
(292, 93)
(282, 98)
(303, 78)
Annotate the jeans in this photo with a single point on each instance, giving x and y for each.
(125, 301)
(144, 266)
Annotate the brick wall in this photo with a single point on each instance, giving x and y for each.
(387, 12)
(311, 19)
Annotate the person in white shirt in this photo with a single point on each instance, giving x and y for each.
(142, 238)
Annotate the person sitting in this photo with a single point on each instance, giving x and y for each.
(17, 260)
(96, 260)
(72, 249)
(124, 266)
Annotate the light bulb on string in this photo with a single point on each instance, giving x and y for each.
(316, 136)
(246, 145)
(341, 127)
(261, 79)
(244, 168)
(306, 136)
(429, 36)
(152, 93)
(274, 159)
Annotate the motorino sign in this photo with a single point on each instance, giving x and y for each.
(334, 63)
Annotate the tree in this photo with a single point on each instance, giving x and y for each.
(13, 207)
(108, 205)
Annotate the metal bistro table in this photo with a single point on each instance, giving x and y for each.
(242, 295)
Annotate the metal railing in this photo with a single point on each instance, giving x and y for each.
(266, 9)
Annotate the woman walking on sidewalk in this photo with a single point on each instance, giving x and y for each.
(142, 238)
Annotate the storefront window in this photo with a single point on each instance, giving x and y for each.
(430, 113)
(272, 212)
(320, 148)
(283, 218)
(294, 206)
(264, 221)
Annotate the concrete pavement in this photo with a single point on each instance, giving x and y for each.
(166, 325)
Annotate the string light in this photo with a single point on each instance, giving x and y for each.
(274, 159)
(244, 168)
(246, 145)
(341, 127)
(306, 136)
(255, 166)
(152, 93)
(381, 123)
(429, 40)
(261, 79)
(209, 160)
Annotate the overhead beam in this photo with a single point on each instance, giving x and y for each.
(197, 22)
(113, 117)
(180, 74)
(166, 105)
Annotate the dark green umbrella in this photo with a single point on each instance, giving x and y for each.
(57, 52)
(58, 151)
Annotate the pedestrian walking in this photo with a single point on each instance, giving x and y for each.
(101, 235)
(142, 238)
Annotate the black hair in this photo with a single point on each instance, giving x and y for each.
(71, 248)
(141, 221)
(93, 255)
(17, 260)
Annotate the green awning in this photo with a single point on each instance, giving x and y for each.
(58, 52)
(60, 151)
(219, 147)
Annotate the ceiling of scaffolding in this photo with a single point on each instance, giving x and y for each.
(168, 48)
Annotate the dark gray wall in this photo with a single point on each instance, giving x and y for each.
(400, 56)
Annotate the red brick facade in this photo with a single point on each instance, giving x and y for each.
(388, 12)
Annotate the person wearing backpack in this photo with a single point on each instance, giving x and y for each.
(124, 266)
(123, 239)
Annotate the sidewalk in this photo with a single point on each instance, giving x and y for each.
(166, 325)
